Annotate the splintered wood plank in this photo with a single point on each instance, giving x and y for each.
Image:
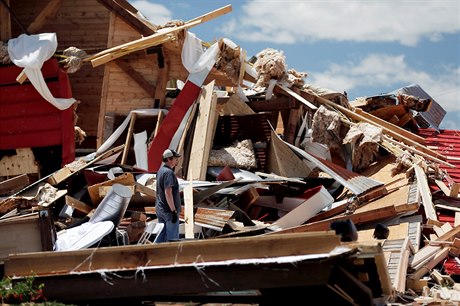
(298, 97)
(429, 251)
(203, 135)
(14, 184)
(188, 211)
(78, 205)
(425, 192)
(155, 39)
(443, 187)
(167, 254)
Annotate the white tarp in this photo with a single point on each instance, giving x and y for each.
(30, 52)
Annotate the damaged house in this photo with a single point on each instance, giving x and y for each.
(288, 189)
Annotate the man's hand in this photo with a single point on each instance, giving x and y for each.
(174, 217)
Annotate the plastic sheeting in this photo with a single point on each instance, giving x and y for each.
(30, 52)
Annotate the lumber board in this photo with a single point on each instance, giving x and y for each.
(155, 39)
(188, 211)
(64, 173)
(162, 81)
(390, 126)
(94, 191)
(422, 183)
(14, 184)
(443, 187)
(78, 205)
(170, 253)
(202, 137)
(428, 250)
(298, 97)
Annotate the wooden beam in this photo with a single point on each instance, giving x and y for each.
(298, 97)
(155, 39)
(428, 251)
(47, 13)
(454, 190)
(422, 184)
(357, 218)
(78, 205)
(136, 76)
(162, 81)
(188, 211)
(142, 27)
(129, 136)
(291, 126)
(202, 137)
(64, 173)
(14, 184)
(167, 254)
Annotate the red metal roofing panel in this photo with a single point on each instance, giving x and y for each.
(447, 143)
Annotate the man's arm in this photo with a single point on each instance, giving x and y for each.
(169, 198)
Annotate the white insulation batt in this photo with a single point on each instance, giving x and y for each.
(239, 155)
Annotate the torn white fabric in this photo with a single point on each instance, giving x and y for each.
(197, 61)
(30, 52)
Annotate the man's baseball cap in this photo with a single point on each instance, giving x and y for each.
(170, 153)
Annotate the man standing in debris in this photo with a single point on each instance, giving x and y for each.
(168, 202)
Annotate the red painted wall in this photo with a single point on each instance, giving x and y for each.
(28, 120)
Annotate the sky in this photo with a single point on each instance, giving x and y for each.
(361, 47)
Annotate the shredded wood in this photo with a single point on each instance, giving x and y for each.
(239, 155)
(180, 35)
(364, 139)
